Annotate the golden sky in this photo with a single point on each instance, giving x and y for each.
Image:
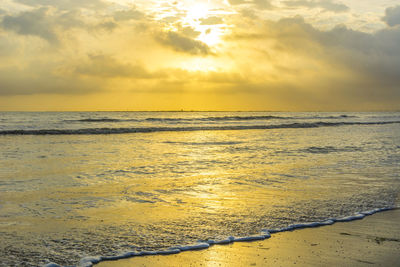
(286, 55)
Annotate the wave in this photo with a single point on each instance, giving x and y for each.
(227, 143)
(100, 120)
(264, 234)
(93, 131)
(329, 149)
(223, 118)
(209, 119)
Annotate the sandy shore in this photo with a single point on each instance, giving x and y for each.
(373, 241)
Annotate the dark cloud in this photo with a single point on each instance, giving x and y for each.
(107, 25)
(67, 19)
(237, 2)
(248, 13)
(181, 43)
(189, 32)
(263, 4)
(42, 22)
(34, 23)
(376, 54)
(328, 5)
(65, 4)
(392, 16)
(260, 4)
(211, 20)
(131, 14)
(354, 65)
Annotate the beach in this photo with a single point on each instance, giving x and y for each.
(90, 186)
(199, 133)
(372, 241)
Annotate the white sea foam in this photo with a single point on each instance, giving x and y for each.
(194, 247)
(250, 238)
(167, 252)
(89, 261)
(225, 241)
(147, 253)
(52, 264)
(357, 216)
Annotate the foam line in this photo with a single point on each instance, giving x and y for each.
(51, 264)
(250, 238)
(147, 253)
(194, 247)
(168, 252)
(265, 233)
(357, 216)
(370, 212)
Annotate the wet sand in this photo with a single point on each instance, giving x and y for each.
(372, 241)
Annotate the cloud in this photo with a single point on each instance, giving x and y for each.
(41, 79)
(375, 55)
(263, 4)
(392, 16)
(181, 43)
(328, 5)
(42, 22)
(130, 14)
(354, 66)
(260, 4)
(65, 4)
(34, 23)
(237, 2)
(108, 67)
(107, 25)
(189, 31)
(211, 21)
(277, 64)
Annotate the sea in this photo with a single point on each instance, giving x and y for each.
(77, 188)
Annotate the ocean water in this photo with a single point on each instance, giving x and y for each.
(89, 184)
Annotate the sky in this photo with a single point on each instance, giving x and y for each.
(272, 55)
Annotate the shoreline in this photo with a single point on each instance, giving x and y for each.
(377, 235)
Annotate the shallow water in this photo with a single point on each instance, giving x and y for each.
(67, 190)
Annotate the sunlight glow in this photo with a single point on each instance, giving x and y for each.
(211, 37)
(198, 11)
(210, 34)
(199, 64)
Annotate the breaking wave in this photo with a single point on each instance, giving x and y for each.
(264, 234)
(90, 131)
(211, 119)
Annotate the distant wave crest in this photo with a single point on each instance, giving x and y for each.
(90, 131)
(99, 120)
(210, 119)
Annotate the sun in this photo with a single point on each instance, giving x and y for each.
(195, 12)
(198, 10)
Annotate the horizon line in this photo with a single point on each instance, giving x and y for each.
(182, 110)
